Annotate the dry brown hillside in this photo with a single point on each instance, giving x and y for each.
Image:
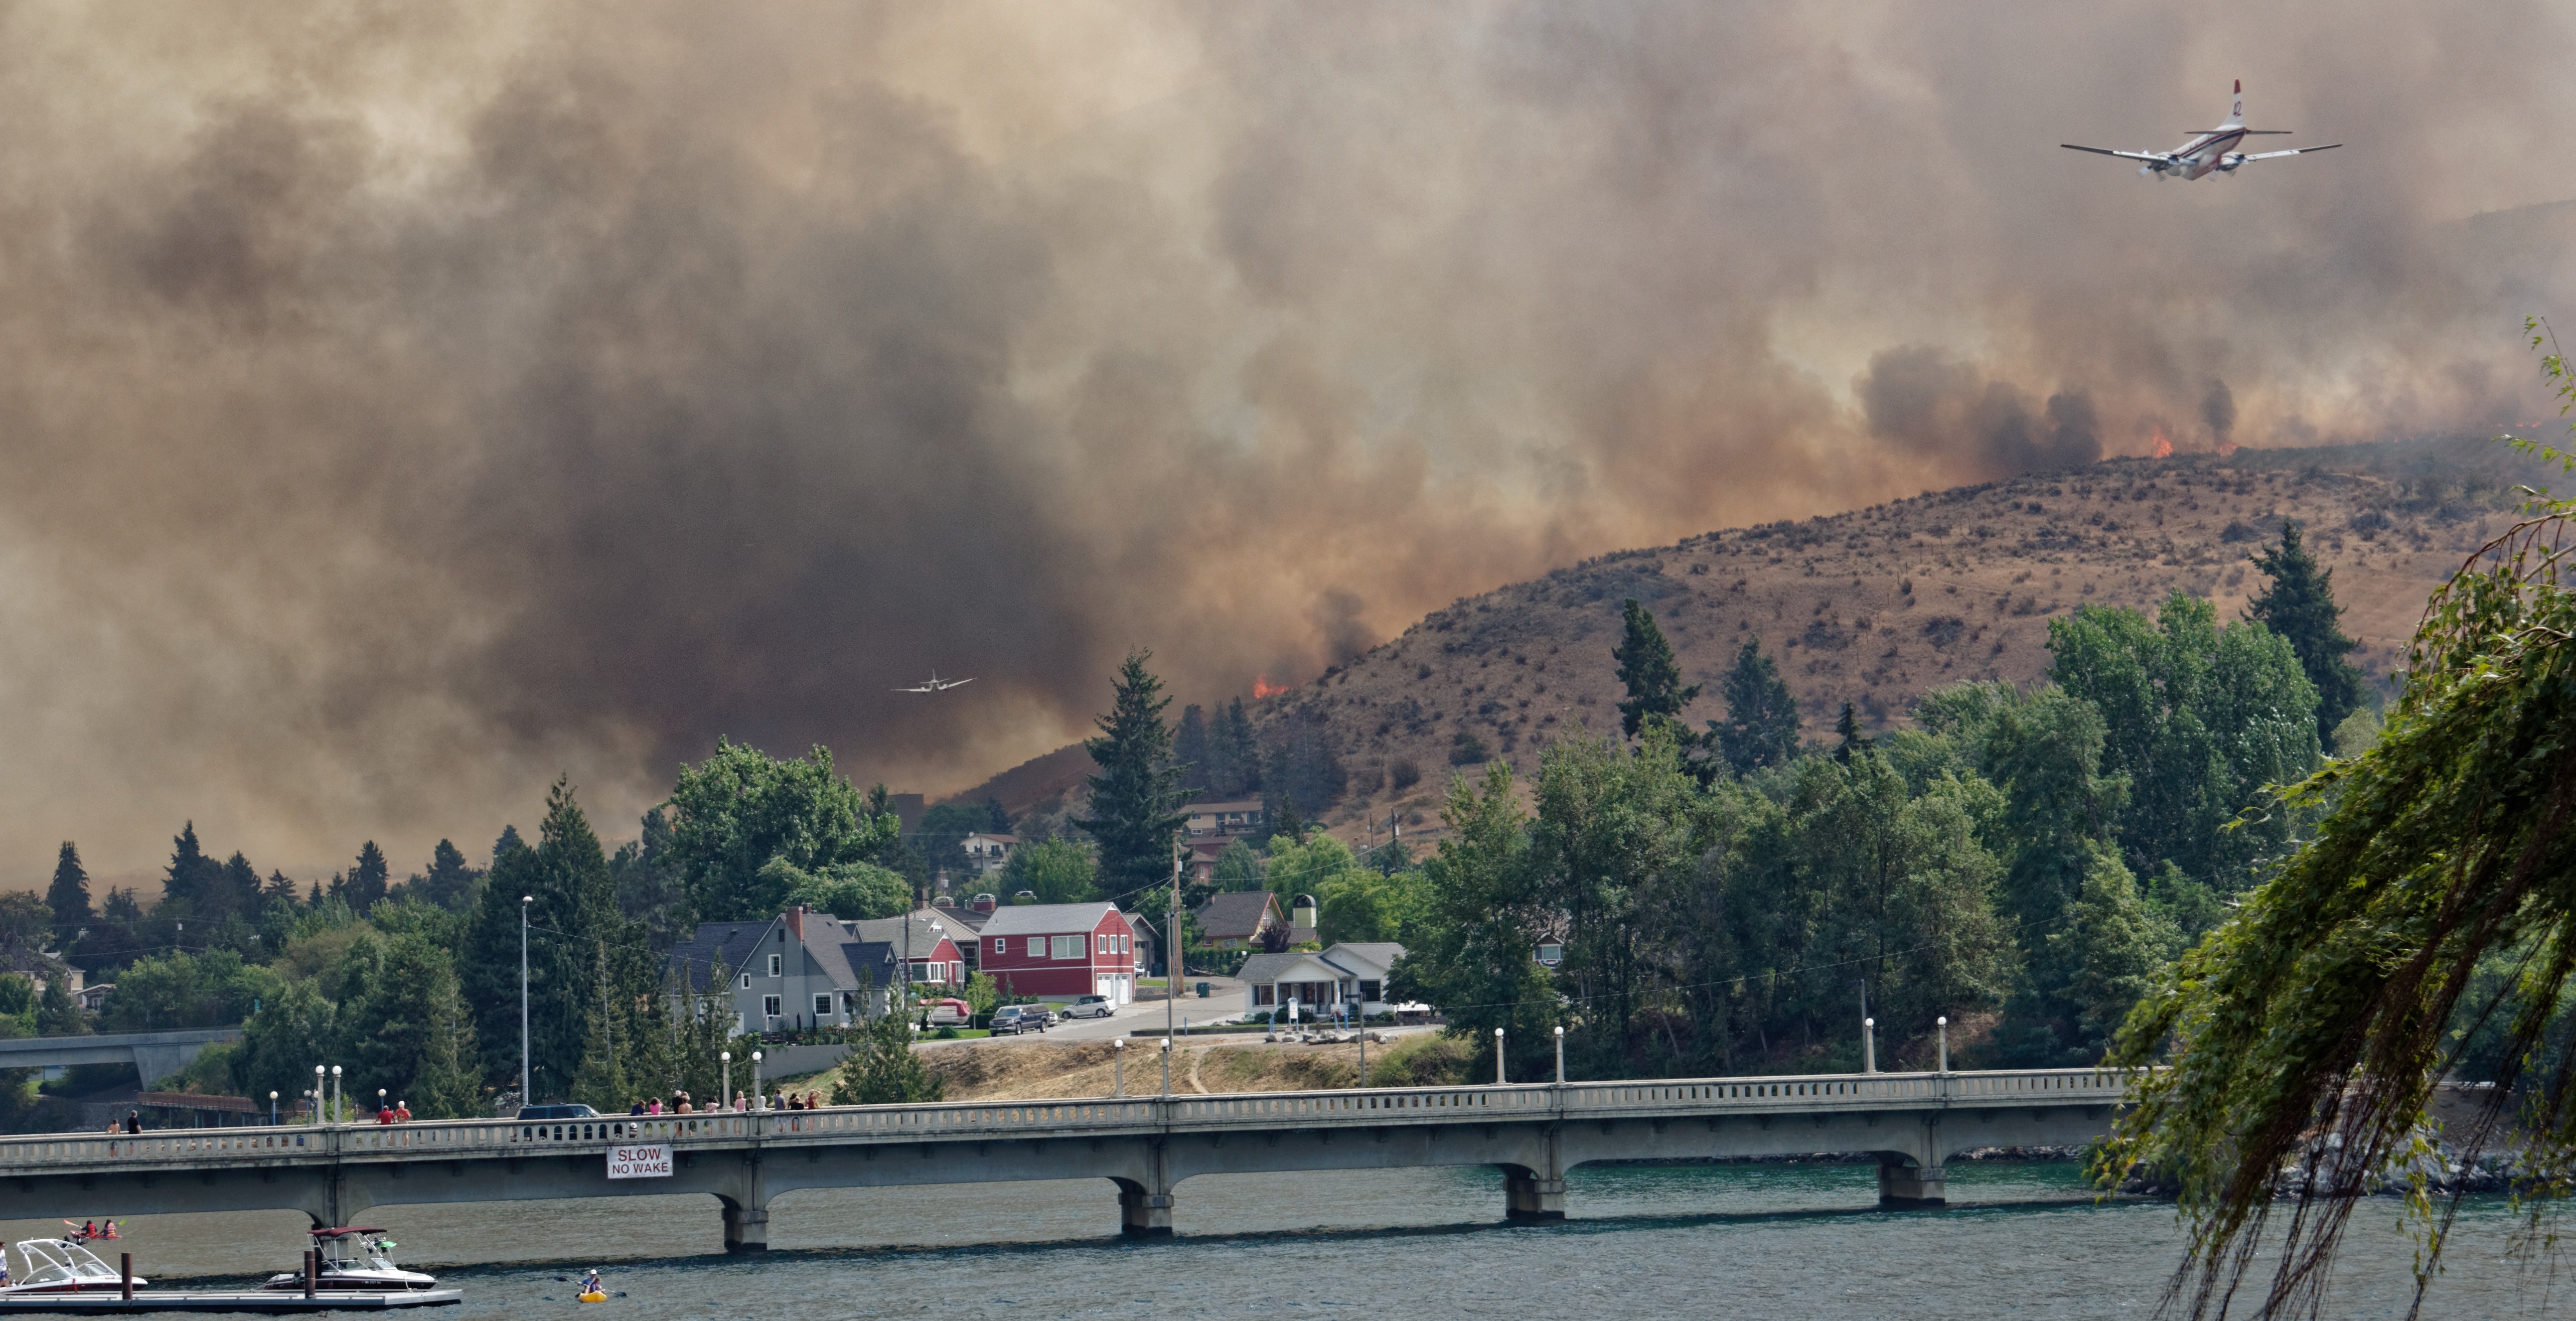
(1878, 605)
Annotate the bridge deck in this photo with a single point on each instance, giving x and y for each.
(467, 1139)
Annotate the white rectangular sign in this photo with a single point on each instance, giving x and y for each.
(653, 1162)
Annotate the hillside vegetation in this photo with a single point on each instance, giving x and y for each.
(1878, 606)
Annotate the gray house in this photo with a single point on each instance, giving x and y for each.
(803, 969)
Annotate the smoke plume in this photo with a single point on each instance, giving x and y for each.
(405, 403)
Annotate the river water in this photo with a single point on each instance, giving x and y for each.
(1767, 1240)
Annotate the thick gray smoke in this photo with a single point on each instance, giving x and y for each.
(404, 404)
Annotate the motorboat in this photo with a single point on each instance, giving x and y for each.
(355, 1259)
(60, 1266)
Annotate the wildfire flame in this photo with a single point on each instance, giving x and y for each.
(2164, 447)
(1262, 687)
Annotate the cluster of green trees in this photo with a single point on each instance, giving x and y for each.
(2023, 862)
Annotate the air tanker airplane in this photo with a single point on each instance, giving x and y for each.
(2212, 151)
(936, 685)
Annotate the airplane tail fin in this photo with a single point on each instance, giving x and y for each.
(2236, 108)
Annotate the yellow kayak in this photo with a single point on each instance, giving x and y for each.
(594, 1297)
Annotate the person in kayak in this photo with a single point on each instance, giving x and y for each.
(590, 1282)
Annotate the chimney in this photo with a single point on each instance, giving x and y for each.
(796, 922)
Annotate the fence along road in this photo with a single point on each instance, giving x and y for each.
(1145, 1146)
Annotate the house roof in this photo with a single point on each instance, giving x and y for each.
(1363, 960)
(1378, 954)
(730, 942)
(1231, 805)
(924, 940)
(1046, 919)
(1264, 968)
(1002, 836)
(877, 958)
(1236, 914)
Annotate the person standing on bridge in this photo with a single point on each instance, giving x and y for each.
(402, 1112)
(133, 1121)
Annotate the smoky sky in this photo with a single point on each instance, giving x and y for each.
(404, 404)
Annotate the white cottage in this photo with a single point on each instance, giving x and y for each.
(1352, 974)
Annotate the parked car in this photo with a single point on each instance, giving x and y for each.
(1011, 1020)
(949, 1013)
(1090, 1006)
(557, 1112)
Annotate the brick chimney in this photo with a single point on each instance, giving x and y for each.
(796, 923)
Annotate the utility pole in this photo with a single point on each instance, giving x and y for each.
(1172, 960)
(524, 901)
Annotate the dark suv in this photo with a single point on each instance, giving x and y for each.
(1011, 1020)
(557, 1112)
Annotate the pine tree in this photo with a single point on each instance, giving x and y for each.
(1136, 796)
(882, 1069)
(1646, 666)
(191, 872)
(1847, 728)
(369, 878)
(1761, 725)
(509, 840)
(1191, 747)
(448, 1085)
(1235, 752)
(68, 897)
(2300, 606)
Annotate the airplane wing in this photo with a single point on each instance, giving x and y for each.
(2267, 155)
(912, 690)
(2124, 155)
(959, 683)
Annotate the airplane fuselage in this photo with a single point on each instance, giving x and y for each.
(2205, 153)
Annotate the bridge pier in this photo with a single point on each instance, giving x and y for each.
(1904, 1186)
(1528, 1196)
(1145, 1208)
(746, 1227)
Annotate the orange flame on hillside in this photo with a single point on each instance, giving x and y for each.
(2164, 447)
(1261, 687)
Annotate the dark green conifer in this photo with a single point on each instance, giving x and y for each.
(1761, 725)
(1135, 799)
(2300, 606)
(1646, 666)
(68, 896)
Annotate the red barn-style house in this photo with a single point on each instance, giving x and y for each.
(1059, 951)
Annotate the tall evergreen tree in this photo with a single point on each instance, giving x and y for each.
(1847, 730)
(449, 883)
(2300, 606)
(68, 896)
(509, 840)
(239, 885)
(572, 918)
(1761, 725)
(1135, 799)
(1236, 755)
(191, 873)
(370, 878)
(1190, 747)
(1647, 667)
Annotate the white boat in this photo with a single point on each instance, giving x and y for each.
(60, 1266)
(355, 1260)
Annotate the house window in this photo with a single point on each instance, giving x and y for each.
(775, 962)
(1001, 945)
(1037, 947)
(823, 1005)
(746, 981)
(1066, 947)
(769, 1005)
(1265, 994)
(1369, 990)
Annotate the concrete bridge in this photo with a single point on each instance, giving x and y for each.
(154, 1055)
(1145, 1146)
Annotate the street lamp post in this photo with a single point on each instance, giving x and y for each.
(1167, 1068)
(335, 1094)
(1498, 1057)
(1118, 1053)
(319, 1095)
(1560, 1055)
(724, 1090)
(759, 1099)
(1869, 1045)
(380, 1100)
(524, 901)
(272, 1109)
(1943, 1023)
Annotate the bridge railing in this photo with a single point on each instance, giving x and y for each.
(433, 1139)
